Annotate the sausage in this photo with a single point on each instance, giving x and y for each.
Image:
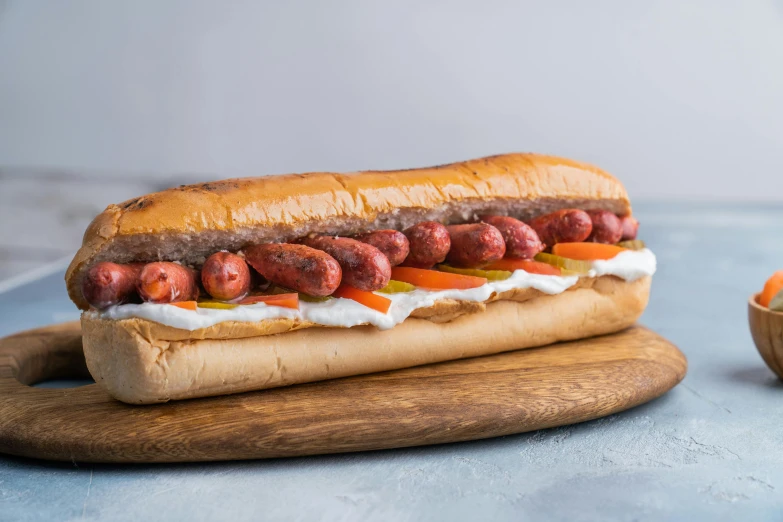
(392, 243)
(522, 242)
(364, 266)
(107, 284)
(225, 276)
(563, 226)
(164, 282)
(630, 227)
(606, 227)
(475, 245)
(297, 267)
(429, 244)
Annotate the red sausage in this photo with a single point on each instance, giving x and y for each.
(364, 266)
(107, 284)
(298, 267)
(475, 245)
(429, 244)
(164, 282)
(392, 243)
(522, 242)
(606, 227)
(563, 226)
(225, 276)
(630, 227)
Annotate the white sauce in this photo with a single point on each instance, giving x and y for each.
(630, 265)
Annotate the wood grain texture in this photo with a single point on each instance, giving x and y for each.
(454, 401)
(766, 327)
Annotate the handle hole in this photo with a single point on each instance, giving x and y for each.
(51, 360)
(63, 383)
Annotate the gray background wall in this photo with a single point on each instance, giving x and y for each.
(679, 99)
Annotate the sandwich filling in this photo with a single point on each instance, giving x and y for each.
(629, 265)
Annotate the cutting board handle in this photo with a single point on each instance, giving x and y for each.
(37, 355)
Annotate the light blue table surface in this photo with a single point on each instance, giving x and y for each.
(711, 449)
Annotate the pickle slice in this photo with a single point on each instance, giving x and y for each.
(632, 244)
(314, 299)
(490, 275)
(574, 266)
(397, 287)
(217, 305)
(277, 289)
(776, 304)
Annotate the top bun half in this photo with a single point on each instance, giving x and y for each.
(190, 222)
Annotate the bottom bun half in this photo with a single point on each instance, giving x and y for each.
(134, 365)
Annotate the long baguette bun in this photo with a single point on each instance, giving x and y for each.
(188, 223)
(137, 362)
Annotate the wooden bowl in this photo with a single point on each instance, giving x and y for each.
(766, 327)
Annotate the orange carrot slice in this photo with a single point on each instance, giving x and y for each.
(586, 251)
(368, 299)
(434, 279)
(532, 267)
(773, 285)
(285, 300)
(187, 305)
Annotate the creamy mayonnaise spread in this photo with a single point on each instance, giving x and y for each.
(629, 265)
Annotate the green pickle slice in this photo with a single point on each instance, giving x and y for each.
(632, 244)
(276, 289)
(573, 266)
(776, 304)
(314, 299)
(490, 275)
(397, 287)
(217, 305)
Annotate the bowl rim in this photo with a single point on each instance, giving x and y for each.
(754, 303)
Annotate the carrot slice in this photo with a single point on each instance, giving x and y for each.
(773, 285)
(434, 279)
(532, 267)
(285, 300)
(368, 299)
(187, 305)
(586, 251)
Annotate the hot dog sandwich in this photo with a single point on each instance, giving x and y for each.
(254, 283)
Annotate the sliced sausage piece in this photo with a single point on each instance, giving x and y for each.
(429, 244)
(392, 243)
(607, 227)
(298, 267)
(225, 276)
(364, 266)
(522, 242)
(475, 245)
(107, 284)
(630, 227)
(164, 282)
(563, 226)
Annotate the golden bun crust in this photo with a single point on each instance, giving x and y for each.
(137, 362)
(190, 222)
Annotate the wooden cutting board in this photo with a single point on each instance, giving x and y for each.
(447, 402)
